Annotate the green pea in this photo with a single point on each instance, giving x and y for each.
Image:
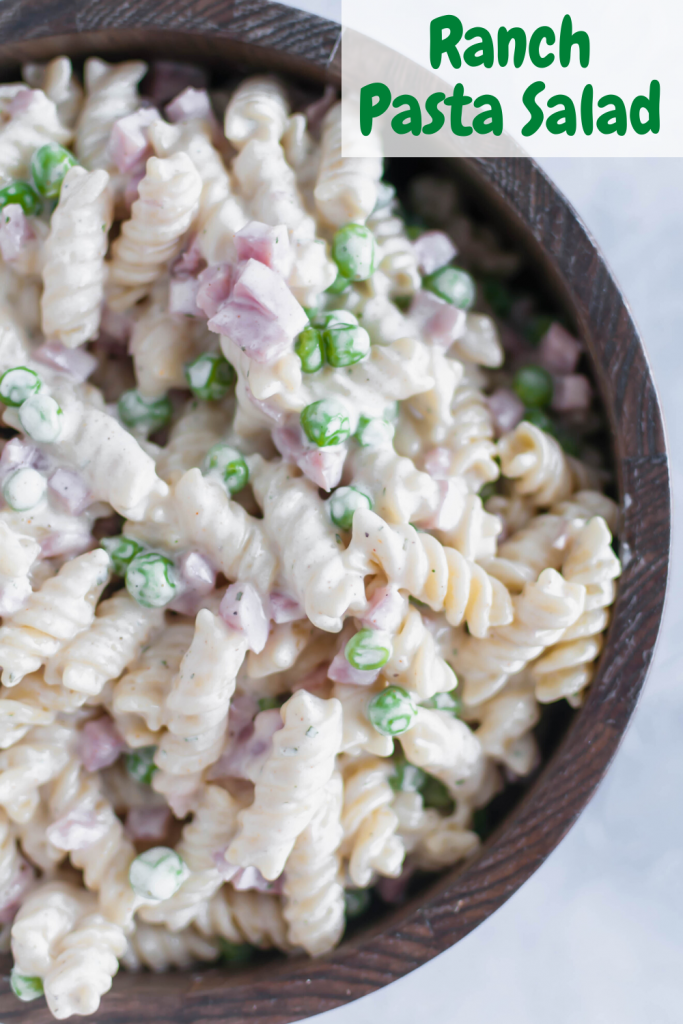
(137, 412)
(392, 712)
(326, 422)
(343, 503)
(339, 285)
(152, 579)
(25, 987)
(435, 794)
(354, 251)
(41, 418)
(374, 432)
(369, 649)
(157, 874)
(309, 348)
(268, 703)
(18, 384)
(487, 491)
(534, 385)
(122, 550)
(541, 420)
(334, 318)
(452, 284)
(210, 376)
(498, 296)
(444, 702)
(357, 902)
(24, 489)
(49, 166)
(234, 954)
(345, 344)
(140, 764)
(22, 193)
(228, 465)
(537, 326)
(407, 777)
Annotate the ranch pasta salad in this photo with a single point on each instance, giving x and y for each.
(294, 543)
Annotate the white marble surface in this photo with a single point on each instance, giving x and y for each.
(596, 935)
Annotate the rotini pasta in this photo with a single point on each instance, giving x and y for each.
(74, 251)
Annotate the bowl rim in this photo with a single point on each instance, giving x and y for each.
(270, 35)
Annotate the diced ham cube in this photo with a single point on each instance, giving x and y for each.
(433, 250)
(437, 462)
(246, 879)
(559, 351)
(247, 753)
(269, 245)
(215, 286)
(284, 608)
(99, 744)
(77, 362)
(129, 144)
(571, 392)
(440, 322)
(315, 112)
(15, 232)
(261, 315)
(118, 326)
(72, 541)
(167, 78)
(324, 466)
(70, 489)
(506, 408)
(16, 454)
(182, 296)
(199, 579)
(190, 263)
(341, 671)
(386, 610)
(242, 609)
(148, 824)
(190, 104)
(78, 829)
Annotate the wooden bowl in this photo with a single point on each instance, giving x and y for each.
(236, 36)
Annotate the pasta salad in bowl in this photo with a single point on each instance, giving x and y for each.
(304, 524)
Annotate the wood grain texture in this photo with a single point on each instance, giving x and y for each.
(526, 204)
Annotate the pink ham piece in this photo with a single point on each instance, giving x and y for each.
(315, 112)
(323, 466)
(99, 744)
(190, 104)
(571, 393)
(215, 286)
(340, 671)
(247, 752)
(385, 610)
(78, 829)
(72, 541)
(76, 362)
(129, 144)
(506, 408)
(284, 608)
(261, 315)
(245, 879)
(15, 232)
(117, 326)
(190, 263)
(132, 189)
(559, 352)
(242, 609)
(16, 454)
(437, 462)
(440, 322)
(269, 245)
(70, 489)
(199, 579)
(148, 824)
(167, 78)
(433, 250)
(182, 296)
(14, 890)
(394, 890)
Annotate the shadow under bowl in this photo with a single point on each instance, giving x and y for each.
(234, 37)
